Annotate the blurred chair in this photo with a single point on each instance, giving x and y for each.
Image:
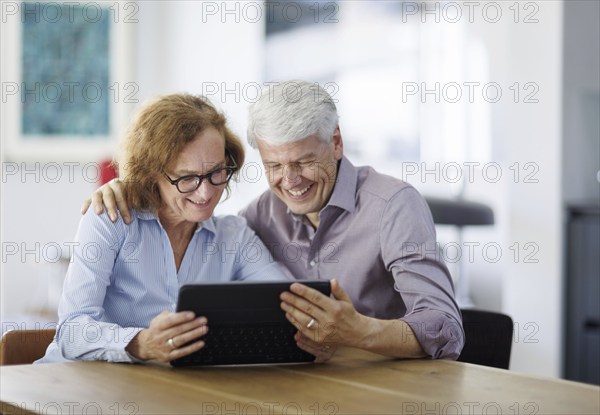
(460, 213)
(488, 335)
(488, 338)
(19, 347)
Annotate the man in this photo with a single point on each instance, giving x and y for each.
(323, 218)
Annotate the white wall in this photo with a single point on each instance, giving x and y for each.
(40, 213)
(530, 212)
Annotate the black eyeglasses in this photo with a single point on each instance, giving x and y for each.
(188, 184)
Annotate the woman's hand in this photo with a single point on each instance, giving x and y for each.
(168, 336)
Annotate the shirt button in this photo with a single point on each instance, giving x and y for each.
(313, 263)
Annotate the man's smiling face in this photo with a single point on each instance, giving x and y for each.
(303, 173)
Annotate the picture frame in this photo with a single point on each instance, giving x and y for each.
(68, 82)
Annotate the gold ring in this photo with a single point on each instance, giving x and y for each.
(325, 348)
(311, 323)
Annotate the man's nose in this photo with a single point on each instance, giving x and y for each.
(291, 175)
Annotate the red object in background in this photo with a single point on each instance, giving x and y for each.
(107, 172)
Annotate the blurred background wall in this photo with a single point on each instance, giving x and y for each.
(494, 102)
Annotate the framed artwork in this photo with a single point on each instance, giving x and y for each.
(67, 79)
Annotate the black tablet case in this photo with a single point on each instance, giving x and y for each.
(246, 324)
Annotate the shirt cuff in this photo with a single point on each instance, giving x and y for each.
(118, 353)
(440, 335)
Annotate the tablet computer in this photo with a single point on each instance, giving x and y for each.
(246, 324)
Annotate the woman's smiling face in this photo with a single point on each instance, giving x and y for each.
(201, 156)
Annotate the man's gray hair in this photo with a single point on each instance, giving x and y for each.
(289, 111)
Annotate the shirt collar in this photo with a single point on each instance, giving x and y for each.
(208, 224)
(344, 190)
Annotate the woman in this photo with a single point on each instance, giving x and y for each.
(121, 288)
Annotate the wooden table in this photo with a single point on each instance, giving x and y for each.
(354, 382)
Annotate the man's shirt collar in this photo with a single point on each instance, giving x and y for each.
(344, 191)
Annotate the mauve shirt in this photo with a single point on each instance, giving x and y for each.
(377, 238)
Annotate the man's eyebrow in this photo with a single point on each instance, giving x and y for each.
(311, 155)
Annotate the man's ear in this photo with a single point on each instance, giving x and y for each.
(338, 144)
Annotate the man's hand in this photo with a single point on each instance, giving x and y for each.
(322, 352)
(167, 337)
(326, 322)
(111, 196)
(331, 322)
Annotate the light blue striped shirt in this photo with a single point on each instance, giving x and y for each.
(122, 276)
